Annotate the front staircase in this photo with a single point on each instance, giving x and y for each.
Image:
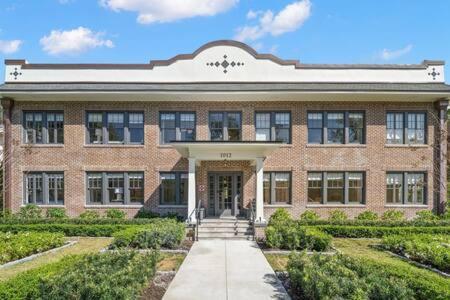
(225, 229)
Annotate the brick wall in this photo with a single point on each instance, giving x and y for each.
(75, 157)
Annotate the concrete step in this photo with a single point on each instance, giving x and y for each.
(219, 235)
(218, 230)
(225, 221)
(248, 238)
(222, 225)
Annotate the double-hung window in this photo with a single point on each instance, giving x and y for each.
(277, 188)
(406, 188)
(336, 187)
(177, 126)
(173, 188)
(43, 127)
(44, 188)
(273, 126)
(115, 188)
(336, 127)
(406, 128)
(115, 127)
(225, 126)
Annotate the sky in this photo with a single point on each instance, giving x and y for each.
(312, 31)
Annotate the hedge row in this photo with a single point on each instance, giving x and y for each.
(120, 275)
(77, 221)
(379, 223)
(377, 232)
(67, 229)
(23, 244)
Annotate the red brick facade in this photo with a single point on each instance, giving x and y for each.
(75, 158)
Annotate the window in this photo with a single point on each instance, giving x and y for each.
(405, 188)
(336, 127)
(115, 188)
(277, 187)
(115, 127)
(176, 126)
(273, 126)
(43, 127)
(225, 126)
(44, 188)
(336, 187)
(174, 188)
(405, 127)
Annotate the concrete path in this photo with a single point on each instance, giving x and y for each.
(225, 269)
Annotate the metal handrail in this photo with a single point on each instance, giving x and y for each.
(253, 217)
(196, 211)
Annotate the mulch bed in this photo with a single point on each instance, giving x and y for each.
(158, 286)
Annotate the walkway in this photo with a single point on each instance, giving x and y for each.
(225, 269)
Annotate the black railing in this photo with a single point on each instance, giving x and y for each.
(198, 222)
(253, 217)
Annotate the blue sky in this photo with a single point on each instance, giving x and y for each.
(313, 31)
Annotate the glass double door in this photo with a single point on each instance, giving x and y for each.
(225, 190)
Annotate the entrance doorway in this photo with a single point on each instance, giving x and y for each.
(225, 194)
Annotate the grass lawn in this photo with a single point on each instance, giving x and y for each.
(84, 245)
(277, 261)
(170, 262)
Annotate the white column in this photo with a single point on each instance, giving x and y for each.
(259, 190)
(191, 190)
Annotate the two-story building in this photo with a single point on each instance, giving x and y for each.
(222, 127)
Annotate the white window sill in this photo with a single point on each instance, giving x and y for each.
(42, 145)
(114, 145)
(115, 206)
(335, 205)
(277, 205)
(406, 205)
(336, 146)
(406, 145)
(46, 205)
(172, 206)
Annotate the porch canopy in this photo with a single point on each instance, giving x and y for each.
(254, 151)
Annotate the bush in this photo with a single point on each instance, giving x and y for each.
(67, 229)
(146, 214)
(6, 214)
(309, 215)
(90, 215)
(20, 245)
(56, 213)
(114, 213)
(367, 216)
(30, 211)
(337, 215)
(377, 231)
(393, 215)
(102, 276)
(427, 249)
(280, 217)
(426, 215)
(341, 277)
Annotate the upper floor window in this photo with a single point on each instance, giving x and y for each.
(273, 126)
(43, 127)
(115, 127)
(405, 128)
(173, 188)
(176, 126)
(44, 188)
(405, 188)
(225, 126)
(336, 187)
(277, 187)
(336, 127)
(115, 188)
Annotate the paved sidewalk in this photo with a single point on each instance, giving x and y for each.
(225, 269)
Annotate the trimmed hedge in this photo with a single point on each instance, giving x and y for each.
(23, 244)
(67, 229)
(377, 232)
(78, 221)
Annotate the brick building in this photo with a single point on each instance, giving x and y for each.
(222, 127)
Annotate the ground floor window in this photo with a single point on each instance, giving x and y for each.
(44, 188)
(277, 187)
(405, 188)
(336, 187)
(115, 188)
(173, 188)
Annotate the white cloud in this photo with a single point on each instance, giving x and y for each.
(273, 49)
(150, 11)
(65, 1)
(9, 47)
(387, 54)
(253, 14)
(73, 41)
(288, 19)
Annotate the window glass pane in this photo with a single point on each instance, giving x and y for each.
(335, 189)
(355, 187)
(416, 128)
(187, 126)
(168, 188)
(335, 128)
(39, 188)
(55, 128)
(115, 127)
(262, 126)
(115, 187)
(315, 187)
(266, 188)
(136, 183)
(315, 125)
(95, 187)
(282, 127)
(136, 127)
(282, 187)
(56, 188)
(234, 126)
(184, 188)
(216, 126)
(394, 188)
(95, 128)
(394, 125)
(29, 128)
(356, 128)
(416, 188)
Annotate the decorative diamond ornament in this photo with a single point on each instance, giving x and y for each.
(225, 64)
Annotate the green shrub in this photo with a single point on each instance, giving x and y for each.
(56, 213)
(30, 211)
(341, 277)
(426, 215)
(280, 217)
(102, 276)
(393, 215)
(377, 231)
(367, 216)
(309, 215)
(317, 240)
(20, 245)
(90, 215)
(337, 215)
(446, 214)
(6, 214)
(114, 213)
(146, 214)
(67, 229)
(427, 249)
